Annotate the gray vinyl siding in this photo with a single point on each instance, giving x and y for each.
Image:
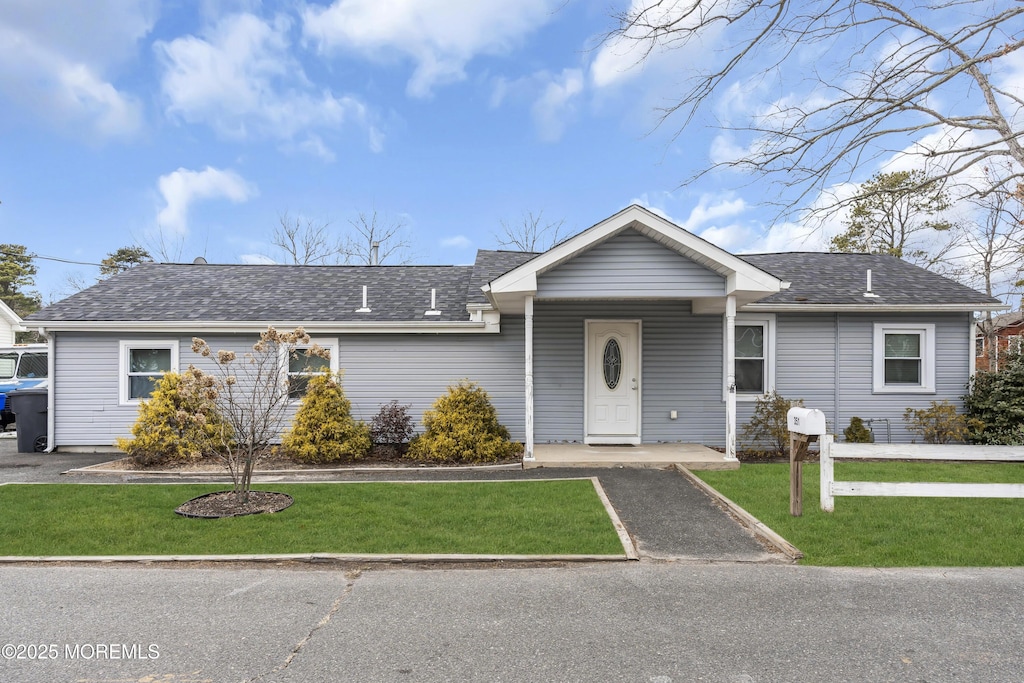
(629, 266)
(412, 369)
(682, 370)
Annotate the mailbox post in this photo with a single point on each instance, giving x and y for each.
(805, 426)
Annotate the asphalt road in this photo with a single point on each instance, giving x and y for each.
(646, 621)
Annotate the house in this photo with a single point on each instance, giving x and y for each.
(1006, 338)
(10, 323)
(634, 331)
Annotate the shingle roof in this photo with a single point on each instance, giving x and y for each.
(826, 278)
(491, 264)
(260, 293)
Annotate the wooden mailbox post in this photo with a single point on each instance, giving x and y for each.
(805, 426)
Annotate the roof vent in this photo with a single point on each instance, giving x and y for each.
(365, 308)
(868, 293)
(433, 304)
(375, 254)
(199, 261)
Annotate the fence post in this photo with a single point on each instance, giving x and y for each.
(828, 502)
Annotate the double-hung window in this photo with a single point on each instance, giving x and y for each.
(142, 364)
(301, 366)
(754, 355)
(904, 358)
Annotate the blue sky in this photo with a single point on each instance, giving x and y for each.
(204, 122)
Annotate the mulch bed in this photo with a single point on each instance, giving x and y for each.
(223, 504)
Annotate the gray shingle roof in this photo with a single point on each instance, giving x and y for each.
(826, 278)
(491, 264)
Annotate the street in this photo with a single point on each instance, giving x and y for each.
(649, 621)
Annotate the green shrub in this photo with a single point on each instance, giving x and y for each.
(994, 405)
(857, 432)
(769, 423)
(179, 423)
(323, 429)
(463, 426)
(939, 423)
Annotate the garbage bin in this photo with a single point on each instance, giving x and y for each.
(29, 408)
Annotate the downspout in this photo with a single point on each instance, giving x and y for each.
(51, 395)
(971, 351)
(835, 383)
(730, 377)
(528, 446)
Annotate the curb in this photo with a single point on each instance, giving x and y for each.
(756, 526)
(310, 558)
(176, 474)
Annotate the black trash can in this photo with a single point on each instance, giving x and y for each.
(29, 408)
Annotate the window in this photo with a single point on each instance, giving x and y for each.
(8, 364)
(754, 356)
(302, 367)
(904, 358)
(32, 366)
(143, 363)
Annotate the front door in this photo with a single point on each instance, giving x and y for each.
(613, 382)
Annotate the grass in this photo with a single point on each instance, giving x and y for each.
(515, 518)
(887, 532)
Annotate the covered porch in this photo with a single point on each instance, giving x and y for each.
(690, 455)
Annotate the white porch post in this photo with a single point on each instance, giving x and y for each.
(730, 377)
(528, 447)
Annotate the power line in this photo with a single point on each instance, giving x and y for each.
(50, 258)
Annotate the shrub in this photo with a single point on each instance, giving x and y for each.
(994, 405)
(463, 426)
(769, 423)
(390, 429)
(857, 432)
(323, 429)
(179, 423)
(939, 423)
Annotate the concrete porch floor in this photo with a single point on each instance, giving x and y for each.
(655, 455)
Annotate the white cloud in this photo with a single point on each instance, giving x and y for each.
(241, 78)
(256, 260)
(440, 36)
(181, 188)
(457, 242)
(555, 109)
(58, 68)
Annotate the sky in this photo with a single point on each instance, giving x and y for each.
(197, 125)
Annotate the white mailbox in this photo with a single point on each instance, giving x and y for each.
(809, 421)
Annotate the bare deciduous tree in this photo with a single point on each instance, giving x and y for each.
(307, 241)
(389, 236)
(532, 234)
(890, 74)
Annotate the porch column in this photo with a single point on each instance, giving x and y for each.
(528, 389)
(730, 377)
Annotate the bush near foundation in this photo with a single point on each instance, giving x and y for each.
(390, 430)
(323, 429)
(463, 427)
(179, 423)
(769, 424)
(857, 432)
(995, 405)
(939, 423)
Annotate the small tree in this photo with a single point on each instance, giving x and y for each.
(939, 423)
(463, 426)
(994, 405)
(769, 423)
(390, 429)
(323, 429)
(252, 395)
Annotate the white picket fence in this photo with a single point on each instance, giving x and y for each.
(831, 451)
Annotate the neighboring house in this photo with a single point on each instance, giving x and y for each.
(1007, 337)
(633, 331)
(9, 324)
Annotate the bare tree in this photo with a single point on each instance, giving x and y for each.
(531, 234)
(907, 72)
(307, 241)
(377, 240)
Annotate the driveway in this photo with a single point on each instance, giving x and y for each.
(667, 517)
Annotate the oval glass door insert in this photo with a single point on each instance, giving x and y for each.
(612, 364)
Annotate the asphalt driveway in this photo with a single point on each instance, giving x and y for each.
(667, 517)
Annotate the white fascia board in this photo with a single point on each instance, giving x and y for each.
(873, 308)
(8, 314)
(244, 327)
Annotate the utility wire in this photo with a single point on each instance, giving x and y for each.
(50, 258)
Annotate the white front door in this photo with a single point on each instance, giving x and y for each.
(613, 382)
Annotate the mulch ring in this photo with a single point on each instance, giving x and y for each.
(223, 504)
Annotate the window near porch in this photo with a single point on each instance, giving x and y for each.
(904, 358)
(750, 359)
(143, 365)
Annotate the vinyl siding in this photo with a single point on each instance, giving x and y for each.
(629, 265)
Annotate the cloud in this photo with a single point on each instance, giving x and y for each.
(58, 68)
(181, 188)
(555, 109)
(457, 242)
(241, 79)
(440, 36)
(256, 260)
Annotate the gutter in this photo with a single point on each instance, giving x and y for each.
(245, 326)
(873, 308)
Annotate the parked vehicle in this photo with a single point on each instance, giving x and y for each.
(21, 367)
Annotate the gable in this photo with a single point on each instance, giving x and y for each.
(629, 265)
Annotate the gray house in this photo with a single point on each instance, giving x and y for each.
(634, 331)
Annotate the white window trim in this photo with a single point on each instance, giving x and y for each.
(123, 384)
(767, 321)
(927, 332)
(330, 343)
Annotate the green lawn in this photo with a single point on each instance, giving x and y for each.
(515, 518)
(887, 532)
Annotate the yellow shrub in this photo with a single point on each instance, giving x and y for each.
(323, 429)
(463, 426)
(179, 423)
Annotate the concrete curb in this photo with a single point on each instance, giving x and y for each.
(310, 558)
(175, 474)
(756, 526)
(620, 528)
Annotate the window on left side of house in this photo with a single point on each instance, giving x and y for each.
(302, 367)
(145, 363)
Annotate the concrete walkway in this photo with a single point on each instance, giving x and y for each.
(692, 456)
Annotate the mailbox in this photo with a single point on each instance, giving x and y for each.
(807, 421)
